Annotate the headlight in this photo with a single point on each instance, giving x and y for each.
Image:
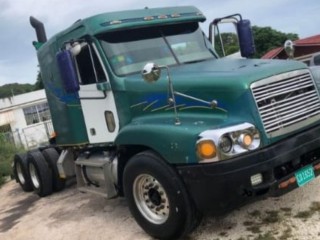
(228, 142)
(225, 144)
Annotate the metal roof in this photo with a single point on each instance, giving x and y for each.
(309, 41)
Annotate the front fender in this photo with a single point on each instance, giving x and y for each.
(175, 143)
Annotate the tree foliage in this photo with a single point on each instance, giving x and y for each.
(7, 150)
(39, 84)
(9, 90)
(230, 43)
(267, 38)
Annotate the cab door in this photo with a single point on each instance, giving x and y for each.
(96, 96)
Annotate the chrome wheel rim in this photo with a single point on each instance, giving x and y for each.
(151, 199)
(34, 176)
(19, 173)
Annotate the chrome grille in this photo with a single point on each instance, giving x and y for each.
(287, 101)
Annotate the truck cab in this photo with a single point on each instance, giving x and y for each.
(143, 107)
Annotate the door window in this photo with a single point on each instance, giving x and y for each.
(89, 67)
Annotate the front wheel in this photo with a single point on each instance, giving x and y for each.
(157, 197)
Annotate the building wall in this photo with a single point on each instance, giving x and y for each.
(11, 112)
(22, 99)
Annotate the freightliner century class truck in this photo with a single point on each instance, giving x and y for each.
(143, 107)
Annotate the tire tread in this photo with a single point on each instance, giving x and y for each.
(44, 173)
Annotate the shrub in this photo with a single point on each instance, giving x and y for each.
(7, 151)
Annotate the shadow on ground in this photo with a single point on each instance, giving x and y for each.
(17, 211)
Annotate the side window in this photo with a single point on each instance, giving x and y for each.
(89, 67)
(37, 113)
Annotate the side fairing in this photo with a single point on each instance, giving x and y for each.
(65, 108)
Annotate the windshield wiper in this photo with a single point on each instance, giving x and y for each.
(195, 61)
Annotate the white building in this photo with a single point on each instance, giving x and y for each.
(25, 119)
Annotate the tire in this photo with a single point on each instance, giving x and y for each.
(157, 198)
(21, 173)
(40, 174)
(51, 156)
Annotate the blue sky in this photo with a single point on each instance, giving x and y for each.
(18, 62)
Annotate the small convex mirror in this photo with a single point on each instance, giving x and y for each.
(151, 72)
(289, 49)
(75, 49)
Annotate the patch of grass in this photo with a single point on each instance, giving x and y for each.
(304, 214)
(255, 213)
(315, 207)
(2, 180)
(287, 234)
(7, 151)
(286, 209)
(255, 228)
(223, 234)
(248, 223)
(271, 217)
(266, 236)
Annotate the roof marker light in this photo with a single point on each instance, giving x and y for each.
(148, 18)
(175, 15)
(162, 17)
(115, 22)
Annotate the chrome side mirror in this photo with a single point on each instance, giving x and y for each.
(75, 48)
(151, 72)
(289, 48)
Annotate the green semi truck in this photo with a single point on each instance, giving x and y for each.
(143, 107)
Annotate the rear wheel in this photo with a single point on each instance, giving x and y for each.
(21, 172)
(40, 174)
(51, 156)
(157, 197)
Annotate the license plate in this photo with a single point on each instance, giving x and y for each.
(305, 175)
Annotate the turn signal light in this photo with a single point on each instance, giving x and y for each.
(53, 135)
(206, 149)
(286, 183)
(317, 167)
(111, 124)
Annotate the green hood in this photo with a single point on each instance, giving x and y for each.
(239, 73)
(225, 80)
(233, 74)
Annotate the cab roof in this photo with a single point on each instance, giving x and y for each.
(113, 21)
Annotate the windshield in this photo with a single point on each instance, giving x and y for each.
(129, 50)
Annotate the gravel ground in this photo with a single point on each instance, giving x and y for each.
(74, 216)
